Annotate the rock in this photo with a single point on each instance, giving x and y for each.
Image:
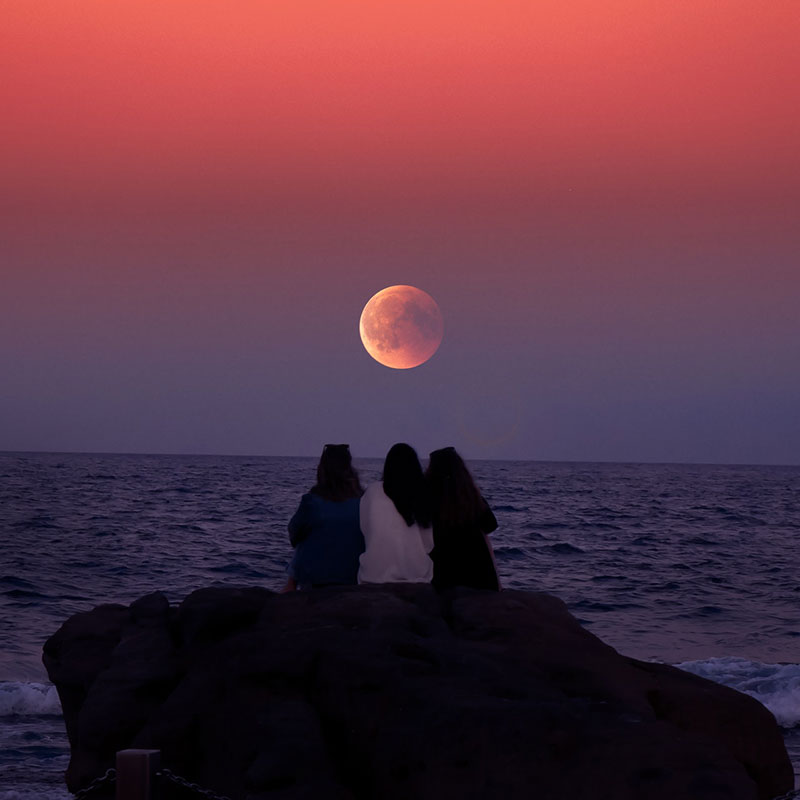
(395, 691)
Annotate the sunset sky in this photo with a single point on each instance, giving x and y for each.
(198, 198)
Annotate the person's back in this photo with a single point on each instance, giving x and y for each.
(328, 538)
(325, 529)
(462, 520)
(462, 555)
(395, 521)
(394, 550)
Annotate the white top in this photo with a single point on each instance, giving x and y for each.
(394, 551)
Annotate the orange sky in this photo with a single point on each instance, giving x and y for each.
(469, 93)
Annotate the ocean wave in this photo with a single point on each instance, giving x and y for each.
(547, 525)
(777, 686)
(511, 553)
(21, 698)
(603, 526)
(594, 605)
(16, 593)
(702, 541)
(37, 522)
(13, 580)
(563, 548)
(702, 612)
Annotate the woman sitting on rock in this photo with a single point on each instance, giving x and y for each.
(462, 554)
(395, 521)
(325, 528)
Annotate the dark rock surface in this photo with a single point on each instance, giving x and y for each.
(396, 692)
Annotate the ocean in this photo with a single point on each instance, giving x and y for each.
(693, 565)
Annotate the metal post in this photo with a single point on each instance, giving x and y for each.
(136, 774)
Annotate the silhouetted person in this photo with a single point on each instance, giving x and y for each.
(462, 554)
(396, 522)
(325, 528)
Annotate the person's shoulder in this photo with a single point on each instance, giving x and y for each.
(310, 499)
(373, 490)
(374, 497)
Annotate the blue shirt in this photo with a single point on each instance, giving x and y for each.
(328, 538)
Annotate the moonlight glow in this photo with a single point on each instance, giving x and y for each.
(401, 327)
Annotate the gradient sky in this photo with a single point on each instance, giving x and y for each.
(199, 197)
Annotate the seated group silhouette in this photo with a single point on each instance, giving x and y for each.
(429, 527)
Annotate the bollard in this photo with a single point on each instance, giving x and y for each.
(136, 774)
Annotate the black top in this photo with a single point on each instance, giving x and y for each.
(461, 555)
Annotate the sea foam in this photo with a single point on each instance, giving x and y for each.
(777, 686)
(23, 699)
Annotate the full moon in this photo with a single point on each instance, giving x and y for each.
(401, 327)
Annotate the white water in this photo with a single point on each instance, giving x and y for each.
(777, 686)
(23, 699)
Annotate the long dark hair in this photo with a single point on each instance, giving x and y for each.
(405, 486)
(337, 478)
(454, 495)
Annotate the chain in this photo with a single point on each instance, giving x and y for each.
(108, 778)
(193, 787)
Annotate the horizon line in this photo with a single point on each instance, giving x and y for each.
(380, 458)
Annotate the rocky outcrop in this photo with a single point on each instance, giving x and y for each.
(396, 692)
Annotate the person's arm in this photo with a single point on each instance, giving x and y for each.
(487, 519)
(427, 538)
(300, 523)
(365, 513)
(488, 523)
(494, 560)
(365, 574)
